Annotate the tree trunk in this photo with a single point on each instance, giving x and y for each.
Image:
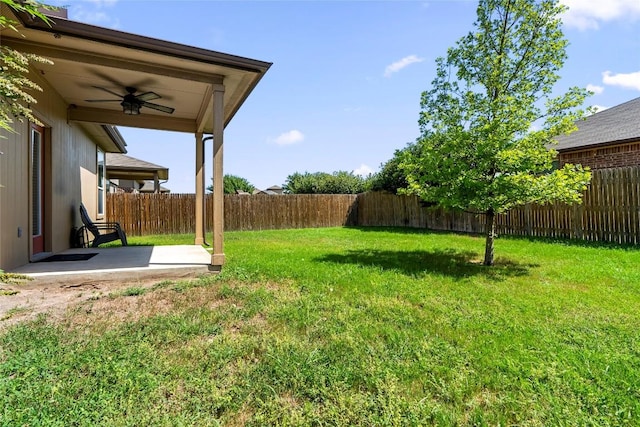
(491, 234)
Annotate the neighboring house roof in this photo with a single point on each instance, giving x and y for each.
(148, 187)
(267, 191)
(617, 124)
(121, 166)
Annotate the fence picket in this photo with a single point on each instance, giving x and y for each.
(610, 212)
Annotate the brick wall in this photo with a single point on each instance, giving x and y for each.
(604, 157)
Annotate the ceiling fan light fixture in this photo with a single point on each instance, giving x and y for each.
(130, 108)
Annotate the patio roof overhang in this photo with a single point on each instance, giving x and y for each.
(206, 88)
(86, 56)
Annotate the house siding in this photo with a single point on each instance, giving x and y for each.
(70, 171)
(14, 198)
(604, 157)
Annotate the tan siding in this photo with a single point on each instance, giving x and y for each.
(72, 179)
(14, 201)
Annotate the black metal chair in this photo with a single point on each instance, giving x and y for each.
(97, 231)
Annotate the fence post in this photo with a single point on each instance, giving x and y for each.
(527, 219)
(577, 229)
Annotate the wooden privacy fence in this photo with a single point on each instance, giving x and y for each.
(144, 214)
(610, 212)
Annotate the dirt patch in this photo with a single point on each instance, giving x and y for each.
(105, 303)
(26, 300)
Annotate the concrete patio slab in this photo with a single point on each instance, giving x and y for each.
(126, 262)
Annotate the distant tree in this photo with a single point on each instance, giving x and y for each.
(233, 183)
(392, 177)
(479, 149)
(15, 86)
(299, 183)
(340, 182)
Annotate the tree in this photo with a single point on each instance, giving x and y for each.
(392, 177)
(490, 116)
(14, 67)
(233, 183)
(339, 182)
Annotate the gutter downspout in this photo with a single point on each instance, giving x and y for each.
(201, 220)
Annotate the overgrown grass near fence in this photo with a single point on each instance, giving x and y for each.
(610, 212)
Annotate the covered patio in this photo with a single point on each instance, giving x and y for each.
(125, 263)
(111, 78)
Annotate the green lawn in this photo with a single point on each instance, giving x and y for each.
(346, 326)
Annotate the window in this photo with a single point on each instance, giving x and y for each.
(36, 181)
(101, 183)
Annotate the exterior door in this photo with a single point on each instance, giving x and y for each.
(37, 188)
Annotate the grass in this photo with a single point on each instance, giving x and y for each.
(346, 327)
(13, 278)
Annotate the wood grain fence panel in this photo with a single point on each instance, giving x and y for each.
(144, 214)
(610, 212)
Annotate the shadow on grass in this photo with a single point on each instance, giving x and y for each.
(574, 242)
(533, 239)
(409, 230)
(452, 263)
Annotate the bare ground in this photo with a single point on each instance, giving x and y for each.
(24, 300)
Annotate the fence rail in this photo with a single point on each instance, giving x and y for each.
(610, 212)
(144, 214)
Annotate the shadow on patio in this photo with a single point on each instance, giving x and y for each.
(128, 262)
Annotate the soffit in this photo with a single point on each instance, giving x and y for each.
(86, 57)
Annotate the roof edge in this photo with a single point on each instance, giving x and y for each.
(114, 134)
(597, 145)
(129, 40)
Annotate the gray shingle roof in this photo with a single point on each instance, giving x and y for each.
(616, 124)
(122, 162)
(148, 187)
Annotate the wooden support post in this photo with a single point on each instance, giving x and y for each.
(200, 186)
(156, 183)
(217, 258)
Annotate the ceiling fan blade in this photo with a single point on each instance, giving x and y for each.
(148, 96)
(103, 100)
(158, 107)
(105, 77)
(108, 91)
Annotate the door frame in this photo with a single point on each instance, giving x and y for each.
(41, 242)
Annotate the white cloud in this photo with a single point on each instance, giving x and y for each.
(288, 138)
(598, 108)
(94, 17)
(595, 89)
(94, 12)
(363, 170)
(627, 81)
(399, 65)
(587, 14)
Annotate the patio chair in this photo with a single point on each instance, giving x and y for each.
(102, 232)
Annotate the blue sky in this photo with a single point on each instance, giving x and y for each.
(344, 89)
